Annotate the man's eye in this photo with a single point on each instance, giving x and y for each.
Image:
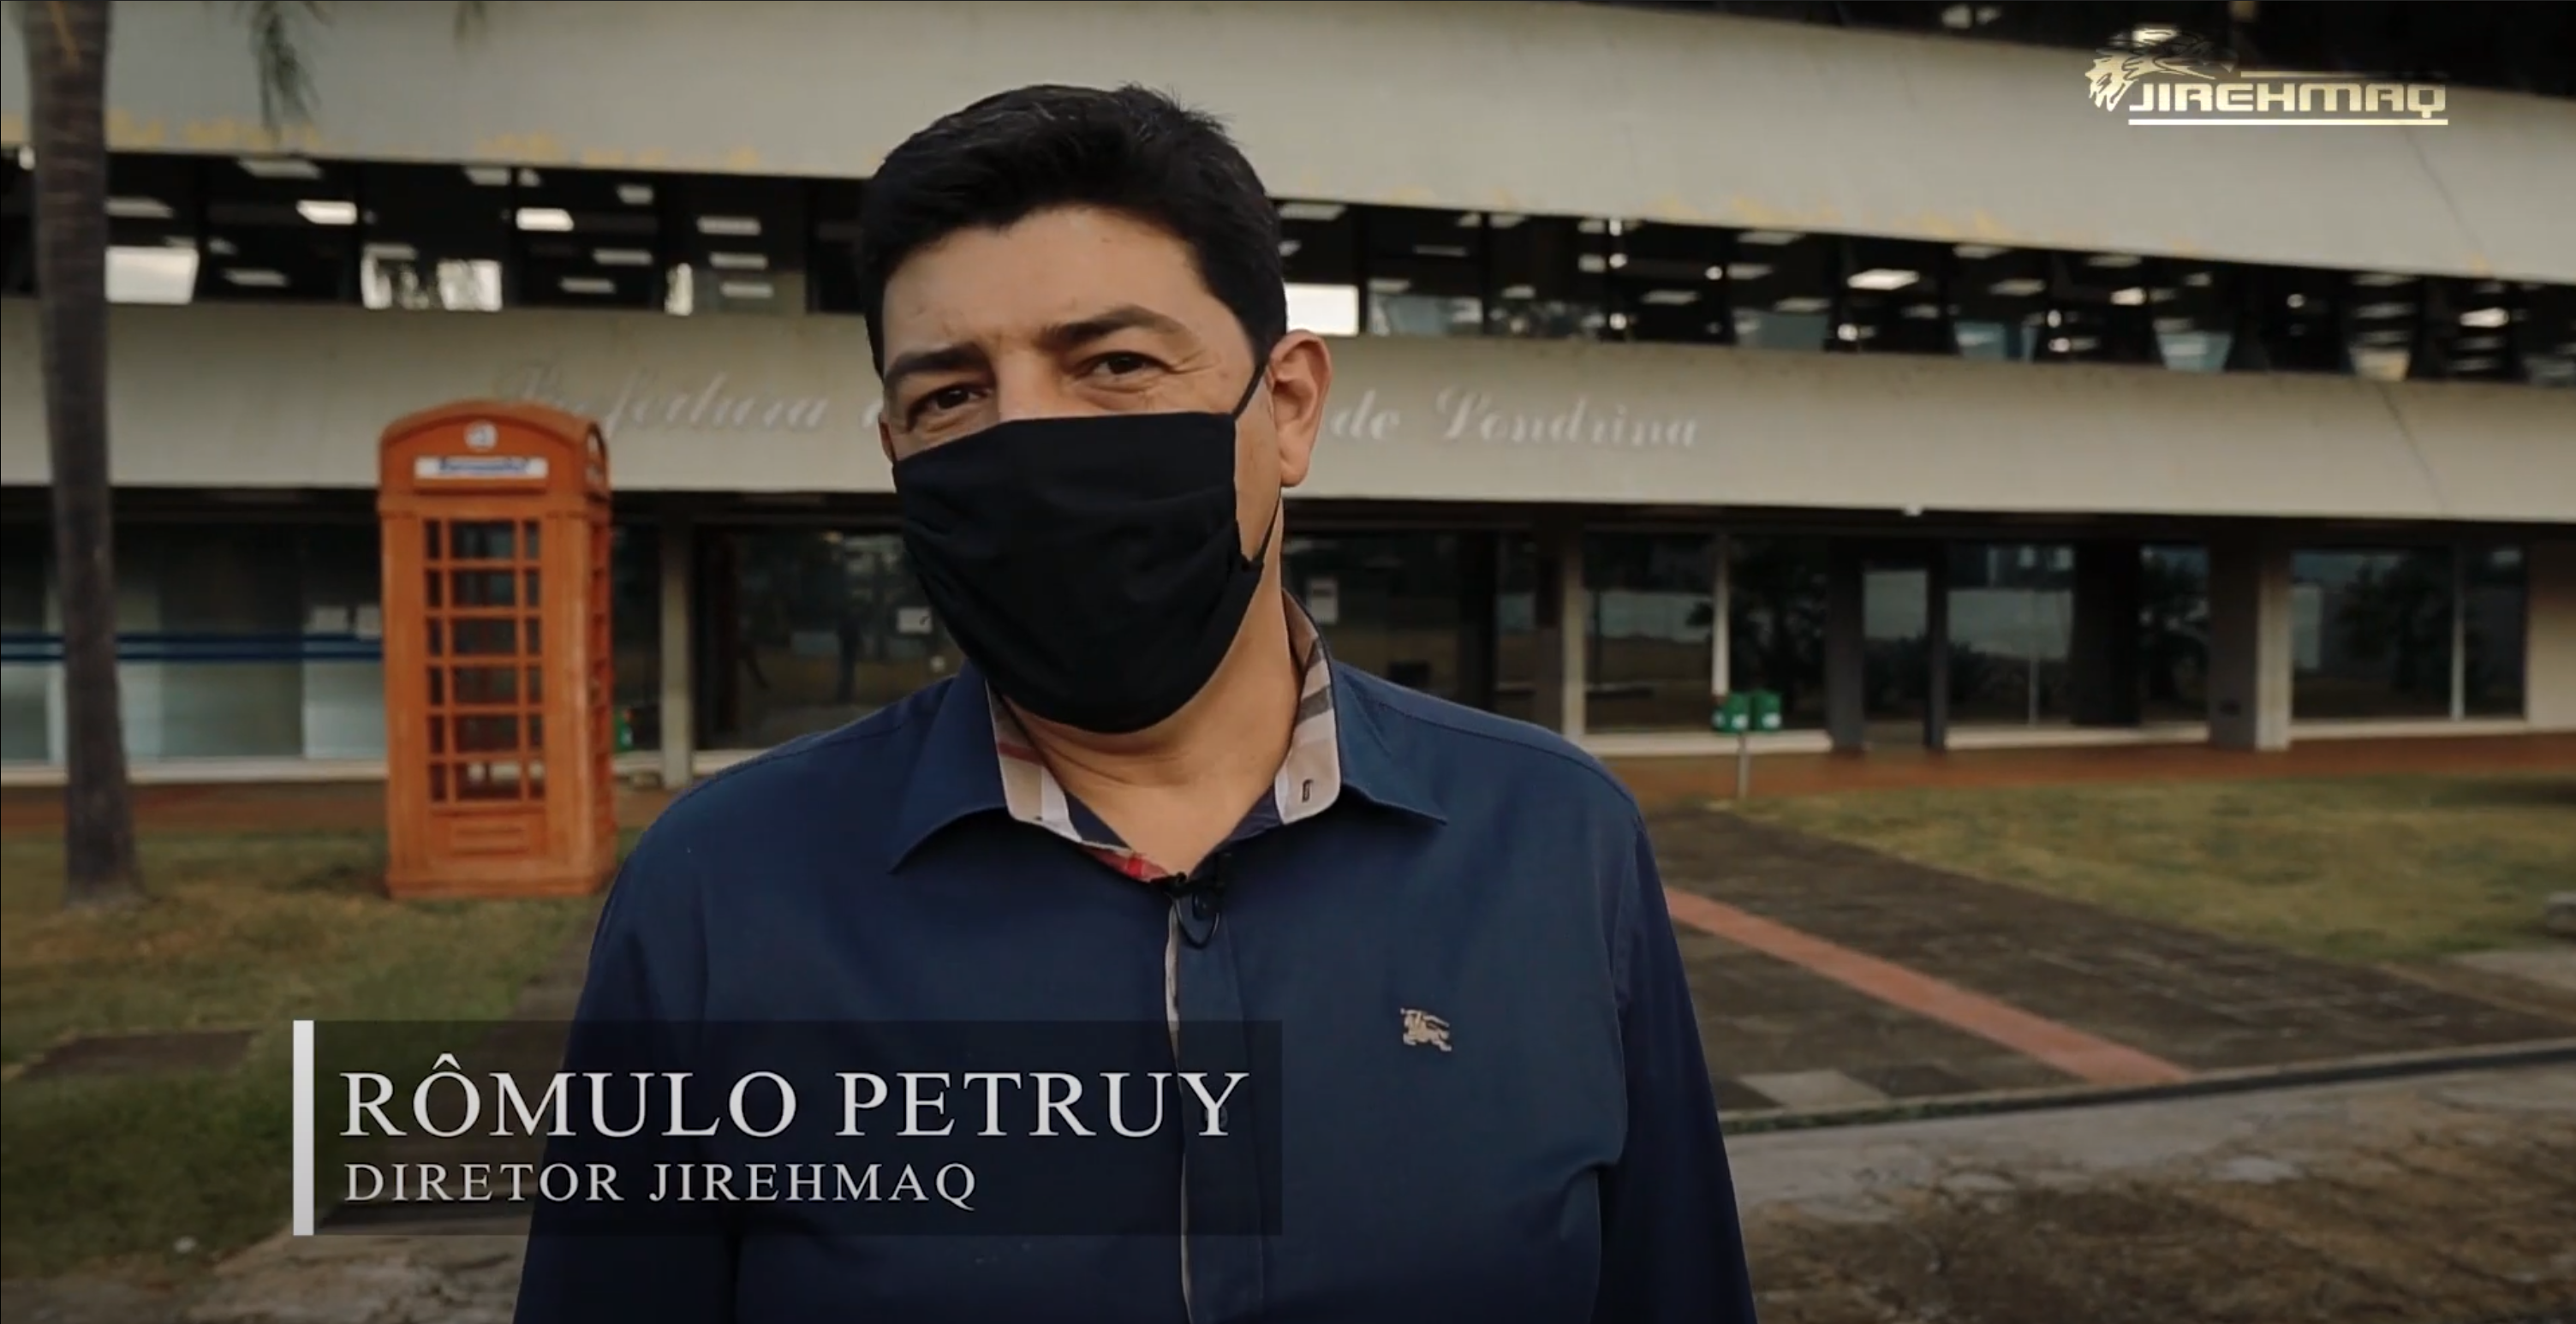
(945, 398)
(1121, 364)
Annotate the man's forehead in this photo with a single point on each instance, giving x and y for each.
(1050, 268)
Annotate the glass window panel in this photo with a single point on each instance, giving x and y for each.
(26, 708)
(2371, 634)
(2012, 611)
(480, 540)
(2173, 625)
(479, 685)
(486, 638)
(485, 733)
(1775, 634)
(484, 588)
(1649, 631)
(2498, 603)
(1387, 603)
(809, 629)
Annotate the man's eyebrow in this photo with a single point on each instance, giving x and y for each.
(1057, 339)
(1125, 317)
(942, 358)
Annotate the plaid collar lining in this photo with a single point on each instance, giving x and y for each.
(1309, 780)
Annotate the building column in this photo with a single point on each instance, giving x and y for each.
(1721, 646)
(1936, 647)
(1563, 614)
(679, 718)
(2549, 635)
(1846, 647)
(2105, 662)
(2250, 656)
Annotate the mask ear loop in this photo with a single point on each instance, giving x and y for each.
(1260, 373)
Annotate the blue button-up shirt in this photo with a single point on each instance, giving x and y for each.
(1495, 1106)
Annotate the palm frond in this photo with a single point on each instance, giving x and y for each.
(276, 31)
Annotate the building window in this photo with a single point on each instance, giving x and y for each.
(1426, 271)
(2012, 611)
(1775, 634)
(436, 237)
(1784, 289)
(1894, 299)
(635, 626)
(1550, 277)
(809, 629)
(2492, 633)
(1388, 603)
(1668, 284)
(234, 640)
(1648, 637)
(26, 630)
(2173, 633)
(2372, 634)
(1319, 256)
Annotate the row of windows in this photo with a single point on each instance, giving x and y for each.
(205, 229)
(261, 641)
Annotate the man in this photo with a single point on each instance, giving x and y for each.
(1151, 796)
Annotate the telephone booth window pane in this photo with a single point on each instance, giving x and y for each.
(486, 734)
(487, 685)
(536, 779)
(485, 781)
(536, 731)
(480, 540)
(484, 588)
(536, 684)
(437, 730)
(531, 526)
(438, 781)
(533, 599)
(535, 648)
(429, 531)
(487, 638)
(436, 594)
(437, 639)
(438, 687)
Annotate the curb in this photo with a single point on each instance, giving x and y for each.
(2339, 1071)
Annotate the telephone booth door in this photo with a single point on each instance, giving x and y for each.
(497, 653)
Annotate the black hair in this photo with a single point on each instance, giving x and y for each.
(1133, 150)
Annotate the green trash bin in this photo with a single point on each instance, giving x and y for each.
(1733, 715)
(625, 732)
(1766, 710)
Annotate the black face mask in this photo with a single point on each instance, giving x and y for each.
(1091, 565)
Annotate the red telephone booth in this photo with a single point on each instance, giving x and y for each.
(497, 662)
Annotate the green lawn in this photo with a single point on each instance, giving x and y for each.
(244, 930)
(2356, 869)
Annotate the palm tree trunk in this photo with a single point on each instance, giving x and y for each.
(67, 77)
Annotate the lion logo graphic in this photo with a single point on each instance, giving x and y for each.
(2125, 59)
(1422, 1029)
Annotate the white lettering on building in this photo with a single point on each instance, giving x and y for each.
(1471, 416)
(647, 403)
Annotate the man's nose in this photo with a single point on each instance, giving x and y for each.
(1032, 390)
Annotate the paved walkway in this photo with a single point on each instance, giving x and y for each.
(1830, 976)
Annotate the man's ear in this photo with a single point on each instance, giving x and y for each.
(885, 437)
(1301, 379)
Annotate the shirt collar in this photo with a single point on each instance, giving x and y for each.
(976, 758)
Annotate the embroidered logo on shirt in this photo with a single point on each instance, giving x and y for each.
(1421, 1027)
